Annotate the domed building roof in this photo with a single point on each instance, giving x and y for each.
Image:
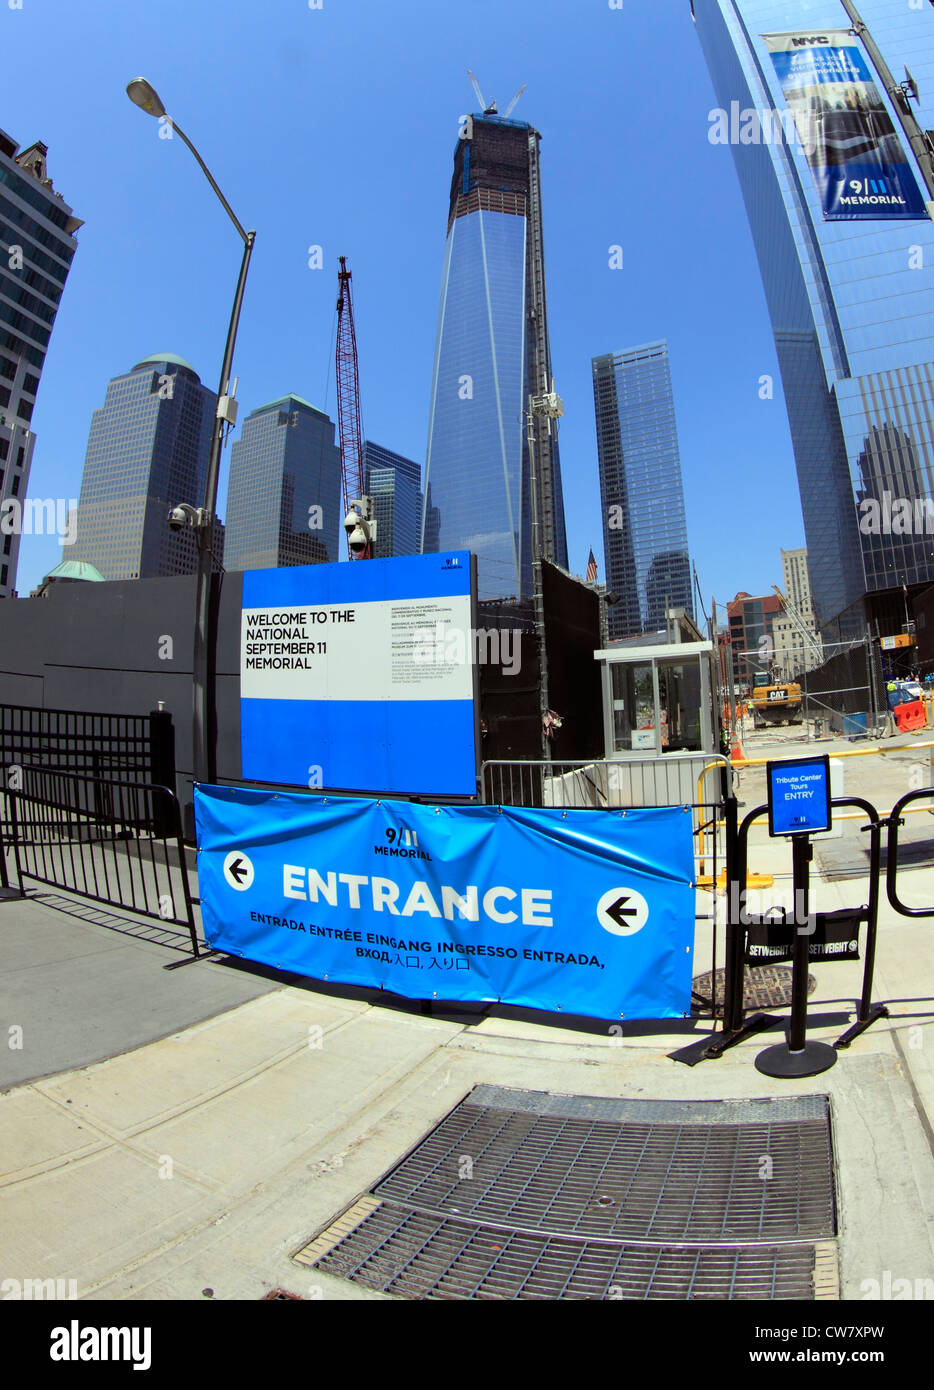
(172, 358)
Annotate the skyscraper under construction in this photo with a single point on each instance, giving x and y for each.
(491, 355)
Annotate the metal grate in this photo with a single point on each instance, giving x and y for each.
(523, 1194)
(417, 1255)
(764, 986)
(632, 1181)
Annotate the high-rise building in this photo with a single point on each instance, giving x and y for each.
(797, 644)
(491, 354)
(147, 451)
(37, 244)
(836, 205)
(394, 483)
(284, 494)
(644, 530)
(752, 618)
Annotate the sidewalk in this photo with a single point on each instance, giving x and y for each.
(240, 1111)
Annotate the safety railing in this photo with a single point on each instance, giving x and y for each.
(891, 854)
(740, 922)
(598, 783)
(115, 842)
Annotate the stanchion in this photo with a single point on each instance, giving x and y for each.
(797, 1056)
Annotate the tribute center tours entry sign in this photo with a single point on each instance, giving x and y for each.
(360, 676)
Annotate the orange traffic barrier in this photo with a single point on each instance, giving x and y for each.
(911, 715)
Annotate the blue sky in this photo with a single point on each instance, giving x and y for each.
(336, 127)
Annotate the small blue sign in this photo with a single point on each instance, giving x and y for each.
(799, 796)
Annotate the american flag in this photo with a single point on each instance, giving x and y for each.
(591, 569)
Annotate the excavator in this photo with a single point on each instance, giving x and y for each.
(776, 704)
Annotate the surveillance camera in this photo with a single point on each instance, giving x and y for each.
(357, 537)
(183, 515)
(351, 521)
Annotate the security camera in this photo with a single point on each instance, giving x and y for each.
(183, 515)
(358, 537)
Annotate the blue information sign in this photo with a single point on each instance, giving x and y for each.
(799, 796)
(360, 676)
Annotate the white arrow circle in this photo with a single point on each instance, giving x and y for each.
(632, 910)
(238, 870)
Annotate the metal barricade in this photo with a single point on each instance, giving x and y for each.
(599, 783)
(113, 747)
(891, 855)
(115, 842)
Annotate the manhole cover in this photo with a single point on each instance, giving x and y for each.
(764, 987)
(519, 1194)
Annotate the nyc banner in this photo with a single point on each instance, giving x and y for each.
(855, 155)
(579, 912)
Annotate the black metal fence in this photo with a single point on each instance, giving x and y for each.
(124, 747)
(116, 842)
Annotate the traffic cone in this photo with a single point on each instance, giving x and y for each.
(736, 753)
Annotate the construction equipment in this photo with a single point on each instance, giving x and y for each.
(776, 704)
(358, 523)
(489, 108)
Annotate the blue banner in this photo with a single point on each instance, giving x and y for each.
(578, 912)
(850, 143)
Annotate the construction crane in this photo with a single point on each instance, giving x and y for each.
(358, 523)
(809, 638)
(489, 108)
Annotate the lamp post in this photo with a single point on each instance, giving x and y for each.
(203, 713)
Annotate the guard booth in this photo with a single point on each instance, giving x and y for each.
(660, 713)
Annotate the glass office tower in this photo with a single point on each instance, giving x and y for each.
(284, 494)
(394, 483)
(37, 245)
(645, 539)
(147, 451)
(491, 354)
(846, 252)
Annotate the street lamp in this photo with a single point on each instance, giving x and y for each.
(143, 95)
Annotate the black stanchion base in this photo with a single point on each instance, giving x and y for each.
(781, 1061)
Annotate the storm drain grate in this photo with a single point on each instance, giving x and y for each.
(519, 1194)
(636, 1181)
(416, 1255)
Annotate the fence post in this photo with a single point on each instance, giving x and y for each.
(735, 886)
(161, 767)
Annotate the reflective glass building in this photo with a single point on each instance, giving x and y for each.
(284, 494)
(395, 485)
(37, 244)
(491, 353)
(645, 539)
(147, 451)
(848, 284)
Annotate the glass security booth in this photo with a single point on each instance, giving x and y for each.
(658, 700)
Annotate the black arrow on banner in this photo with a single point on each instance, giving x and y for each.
(239, 870)
(618, 912)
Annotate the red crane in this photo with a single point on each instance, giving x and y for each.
(348, 410)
